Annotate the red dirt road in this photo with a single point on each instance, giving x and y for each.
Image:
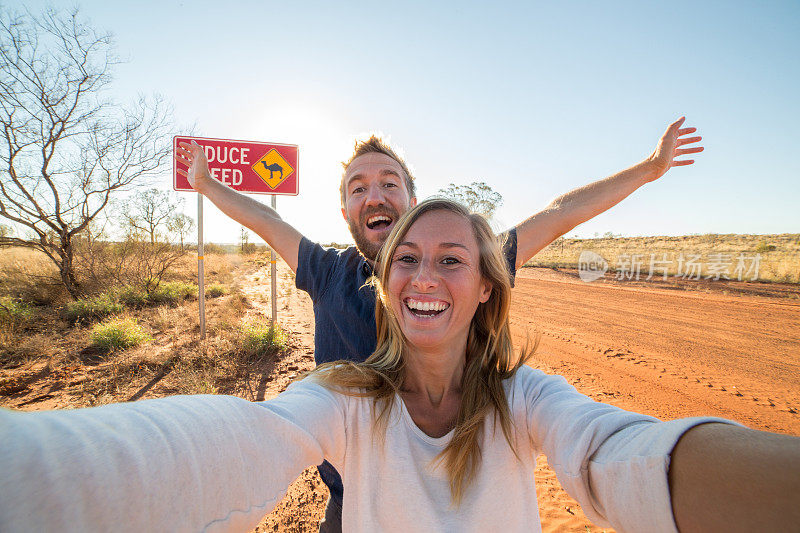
(667, 353)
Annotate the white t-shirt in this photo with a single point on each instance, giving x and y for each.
(219, 463)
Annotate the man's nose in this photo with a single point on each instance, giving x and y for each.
(375, 196)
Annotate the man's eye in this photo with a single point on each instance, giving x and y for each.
(357, 190)
(387, 185)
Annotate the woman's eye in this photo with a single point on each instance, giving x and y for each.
(450, 261)
(406, 259)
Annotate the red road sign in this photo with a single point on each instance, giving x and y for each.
(246, 166)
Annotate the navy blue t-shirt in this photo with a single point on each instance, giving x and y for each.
(344, 310)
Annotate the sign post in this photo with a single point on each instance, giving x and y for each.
(201, 291)
(273, 278)
(245, 166)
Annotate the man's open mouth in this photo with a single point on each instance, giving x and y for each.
(379, 222)
(425, 309)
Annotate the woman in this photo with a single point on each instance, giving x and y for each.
(438, 430)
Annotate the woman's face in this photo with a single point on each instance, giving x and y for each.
(435, 284)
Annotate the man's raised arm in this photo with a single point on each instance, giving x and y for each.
(281, 236)
(584, 203)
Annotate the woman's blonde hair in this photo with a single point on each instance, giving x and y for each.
(490, 357)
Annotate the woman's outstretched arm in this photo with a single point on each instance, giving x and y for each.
(185, 463)
(730, 478)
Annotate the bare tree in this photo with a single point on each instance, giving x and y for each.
(477, 196)
(181, 225)
(247, 246)
(64, 147)
(149, 212)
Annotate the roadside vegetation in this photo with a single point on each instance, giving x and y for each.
(123, 342)
(778, 255)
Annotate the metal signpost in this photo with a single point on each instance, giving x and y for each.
(245, 166)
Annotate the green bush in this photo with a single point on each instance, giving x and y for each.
(118, 334)
(259, 340)
(14, 313)
(92, 308)
(217, 290)
(173, 292)
(133, 297)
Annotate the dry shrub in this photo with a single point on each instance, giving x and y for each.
(31, 276)
(218, 268)
(25, 349)
(133, 262)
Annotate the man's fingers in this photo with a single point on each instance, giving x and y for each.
(688, 140)
(684, 131)
(183, 173)
(681, 163)
(683, 151)
(677, 123)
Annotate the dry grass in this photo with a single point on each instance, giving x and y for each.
(779, 254)
(30, 275)
(48, 353)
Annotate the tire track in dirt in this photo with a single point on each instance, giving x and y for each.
(672, 354)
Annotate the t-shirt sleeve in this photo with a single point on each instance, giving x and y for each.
(184, 463)
(509, 242)
(614, 462)
(314, 267)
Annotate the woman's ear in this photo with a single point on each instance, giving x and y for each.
(486, 291)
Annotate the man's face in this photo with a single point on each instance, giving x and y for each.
(375, 197)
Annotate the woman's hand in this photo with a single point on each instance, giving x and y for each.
(193, 156)
(663, 158)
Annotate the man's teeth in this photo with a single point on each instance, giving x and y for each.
(427, 306)
(371, 221)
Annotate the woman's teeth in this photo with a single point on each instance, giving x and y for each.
(426, 308)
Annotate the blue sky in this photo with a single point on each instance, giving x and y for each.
(533, 98)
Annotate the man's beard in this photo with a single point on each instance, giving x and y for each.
(367, 248)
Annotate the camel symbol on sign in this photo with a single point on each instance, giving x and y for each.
(274, 167)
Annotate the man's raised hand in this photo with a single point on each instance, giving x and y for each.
(193, 156)
(669, 147)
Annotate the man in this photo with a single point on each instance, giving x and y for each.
(376, 189)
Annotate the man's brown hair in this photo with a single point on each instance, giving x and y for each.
(375, 145)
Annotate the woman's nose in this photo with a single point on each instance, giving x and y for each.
(425, 277)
